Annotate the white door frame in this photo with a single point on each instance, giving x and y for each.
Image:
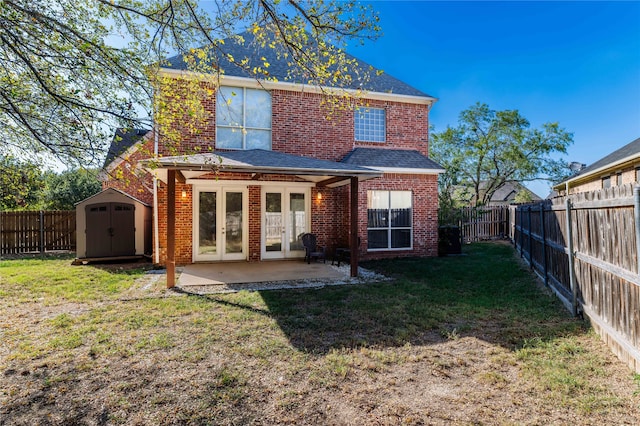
(286, 191)
(221, 189)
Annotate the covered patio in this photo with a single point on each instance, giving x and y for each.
(257, 163)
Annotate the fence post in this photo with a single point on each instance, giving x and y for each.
(572, 271)
(41, 232)
(543, 234)
(505, 215)
(636, 211)
(521, 233)
(530, 239)
(460, 225)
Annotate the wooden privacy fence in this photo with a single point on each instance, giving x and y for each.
(479, 223)
(484, 223)
(585, 248)
(37, 231)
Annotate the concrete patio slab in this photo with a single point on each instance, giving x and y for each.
(217, 274)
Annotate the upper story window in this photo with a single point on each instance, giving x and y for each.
(370, 124)
(243, 118)
(606, 182)
(619, 178)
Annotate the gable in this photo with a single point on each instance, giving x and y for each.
(123, 140)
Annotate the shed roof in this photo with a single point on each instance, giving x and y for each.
(111, 191)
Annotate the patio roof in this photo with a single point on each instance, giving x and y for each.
(259, 161)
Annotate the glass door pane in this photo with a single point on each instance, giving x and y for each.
(207, 241)
(273, 221)
(233, 222)
(297, 224)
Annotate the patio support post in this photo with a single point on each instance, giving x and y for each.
(354, 246)
(171, 228)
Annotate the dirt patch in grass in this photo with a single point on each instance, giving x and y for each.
(445, 342)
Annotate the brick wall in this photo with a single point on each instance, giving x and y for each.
(184, 218)
(303, 125)
(425, 213)
(255, 223)
(129, 177)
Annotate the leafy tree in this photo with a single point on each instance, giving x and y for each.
(20, 184)
(489, 148)
(62, 191)
(523, 196)
(72, 71)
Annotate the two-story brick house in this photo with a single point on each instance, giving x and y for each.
(276, 167)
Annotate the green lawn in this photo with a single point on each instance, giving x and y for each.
(472, 339)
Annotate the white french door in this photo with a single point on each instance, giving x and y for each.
(220, 223)
(285, 216)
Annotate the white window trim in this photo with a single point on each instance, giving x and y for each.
(242, 128)
(389, 228)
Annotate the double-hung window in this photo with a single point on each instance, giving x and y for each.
(243, 118)
(370, 124)
(389, 220)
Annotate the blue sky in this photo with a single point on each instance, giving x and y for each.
(576, 63)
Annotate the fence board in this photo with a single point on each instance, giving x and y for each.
(605, 260)
(37, 231)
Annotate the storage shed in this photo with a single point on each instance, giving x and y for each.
(112, 224)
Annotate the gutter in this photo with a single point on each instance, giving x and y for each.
(299, 87)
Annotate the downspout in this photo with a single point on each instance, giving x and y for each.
(156, 242)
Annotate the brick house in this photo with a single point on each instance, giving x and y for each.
(620, 167)
(274, 167)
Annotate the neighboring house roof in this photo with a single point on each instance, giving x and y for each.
(509, 190)
(123, 140)
(279, 67)
(503, 195)
(392, 160)
(259, 161)
(617, 158)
